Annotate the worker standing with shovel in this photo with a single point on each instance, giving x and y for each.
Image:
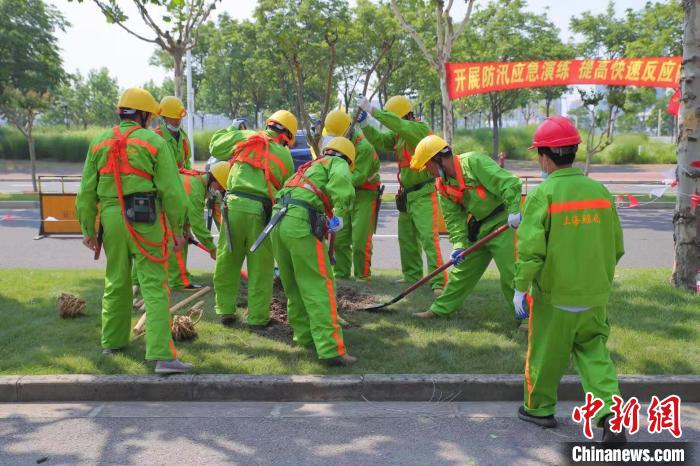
(569, 243)
(314, 200)
(477, 197)
(131, 174)
(260, 164)
(416, 201)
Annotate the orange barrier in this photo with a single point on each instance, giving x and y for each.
(57, 209)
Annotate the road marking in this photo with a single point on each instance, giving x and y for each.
(96, 410)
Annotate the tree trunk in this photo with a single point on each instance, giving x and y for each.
(177, 80)
(32, 156)
(547, 105)
(447, 123)
(686, 221)
(495, 118)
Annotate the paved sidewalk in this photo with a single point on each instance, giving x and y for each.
(366, 433)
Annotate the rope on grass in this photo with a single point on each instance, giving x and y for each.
(70, 306)
(182, 327)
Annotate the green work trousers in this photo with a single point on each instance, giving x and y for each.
(555, 337)
(464, 277)
(309, 283)
(178, 275)
(245, 228)
(418, 232)
(121, 253)
(353, 244)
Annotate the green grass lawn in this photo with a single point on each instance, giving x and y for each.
(18, 197)
(655, 330)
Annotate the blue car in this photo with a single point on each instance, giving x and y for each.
(301, 152)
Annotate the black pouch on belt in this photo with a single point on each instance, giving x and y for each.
(401, 201)
(317, 220)
(140, 208)
(474, 225)
(267, 210)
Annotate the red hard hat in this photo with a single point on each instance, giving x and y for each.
(555, 131)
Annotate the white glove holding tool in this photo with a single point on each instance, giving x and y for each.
(514, 220)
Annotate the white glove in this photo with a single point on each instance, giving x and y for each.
(520, 304)
(514, 220)
(364, 104)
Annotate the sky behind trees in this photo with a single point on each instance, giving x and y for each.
(91, 43)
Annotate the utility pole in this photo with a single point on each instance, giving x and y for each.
(658, 123)
(190, 96)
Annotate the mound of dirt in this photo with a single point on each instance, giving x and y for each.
(350, 300)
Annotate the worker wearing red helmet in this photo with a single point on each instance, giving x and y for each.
(569, 242)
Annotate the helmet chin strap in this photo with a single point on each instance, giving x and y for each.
(441, 170)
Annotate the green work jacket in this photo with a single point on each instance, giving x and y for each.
(403, 137)
(483, 187)
(569, 241)
(148, 153)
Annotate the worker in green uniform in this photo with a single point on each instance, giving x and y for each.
(130, 174)
(569, 243)
(416, 200)
(477, 196)
(199, 187)
(353, 244)
(317, 198)
(260, 164)
(172, 111)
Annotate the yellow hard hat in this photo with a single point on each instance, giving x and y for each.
(219, 171)
(426, 149)
(172, 107)
(337, 123)
(399, 105)
(287, 120)
(136, 98)
(344, 146)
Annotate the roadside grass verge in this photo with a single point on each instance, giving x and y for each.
(655, 330)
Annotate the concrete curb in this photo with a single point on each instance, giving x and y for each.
(310, 388)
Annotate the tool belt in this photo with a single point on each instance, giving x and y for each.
(266, 202)
(317, 218)
(474, 225)
(140, 208)
(402, 195)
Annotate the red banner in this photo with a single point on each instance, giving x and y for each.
(464, 79)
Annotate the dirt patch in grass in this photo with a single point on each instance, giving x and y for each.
(348, 300)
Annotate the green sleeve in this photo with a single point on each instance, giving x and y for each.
(498, 181)
(187, 163)
(86, 201)
(195, 213)
(619, 240)
(364, 163)
(383, 140)
(532, 241)
(455, 216)
(410, 131)
(223, 141)
(339, 187)
(170, 190)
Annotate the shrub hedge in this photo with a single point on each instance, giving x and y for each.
(72, 145)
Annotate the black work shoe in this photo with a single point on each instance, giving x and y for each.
(111, 351)
(611, 438)
(341, 361)
(193, 286)
(228, 321)
(547, 422)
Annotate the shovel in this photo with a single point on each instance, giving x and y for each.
(476, 246)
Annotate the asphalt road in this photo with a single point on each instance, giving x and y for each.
(648, 242)
(438, 432)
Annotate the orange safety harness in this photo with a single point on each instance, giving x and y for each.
(118, 163)
(255, 151)
(456, 193)
(299, 180)
(185, 147)
(188, 177)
